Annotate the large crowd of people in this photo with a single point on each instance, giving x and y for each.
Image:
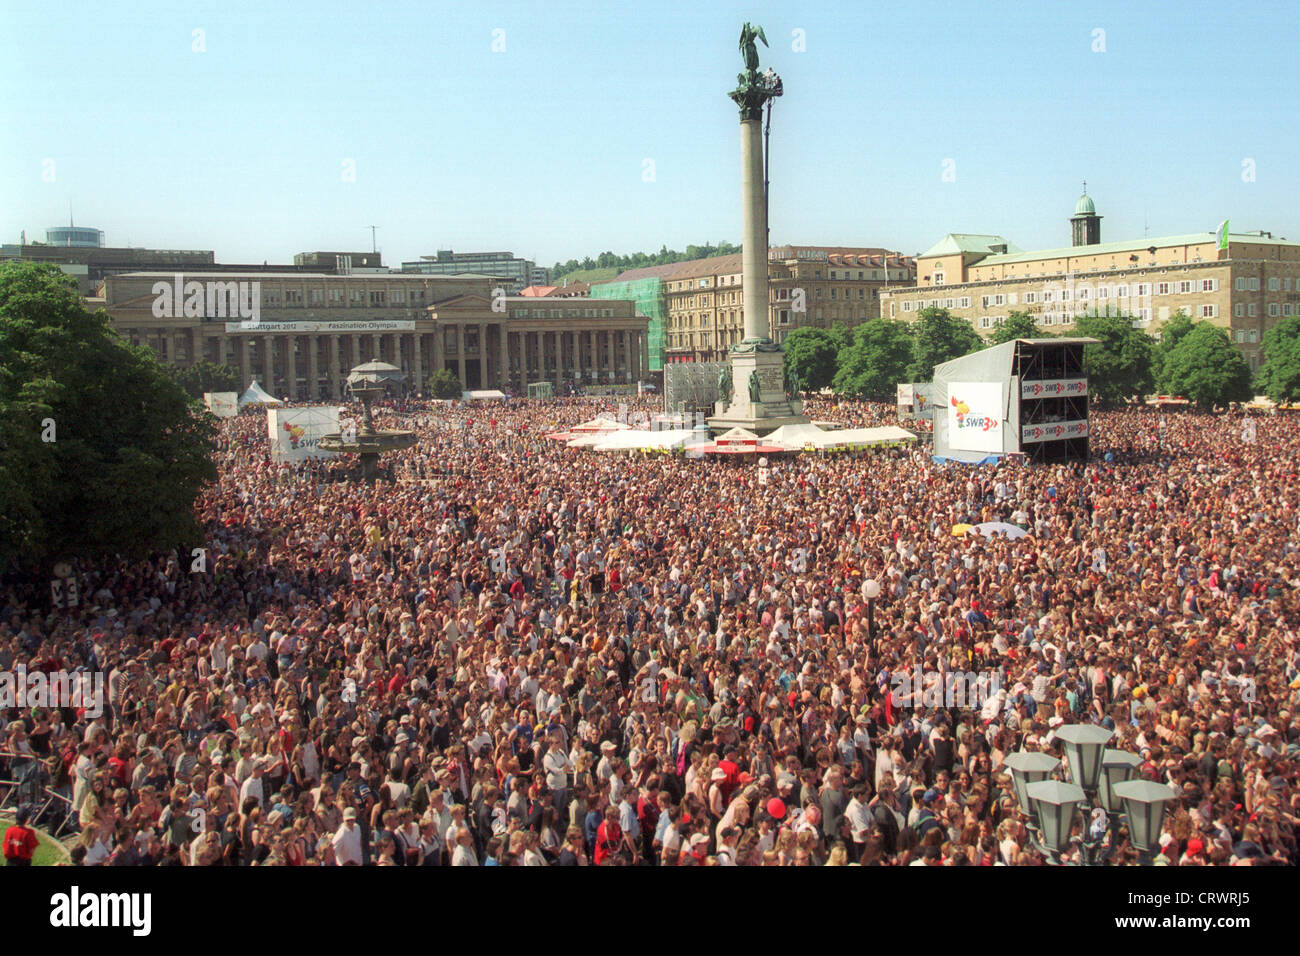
(518, 653)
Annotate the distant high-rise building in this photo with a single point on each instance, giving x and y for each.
(499, 265)
(76, 236)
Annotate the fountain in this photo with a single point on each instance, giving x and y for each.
(367, 382)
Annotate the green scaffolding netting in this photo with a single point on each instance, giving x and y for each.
(648, 296)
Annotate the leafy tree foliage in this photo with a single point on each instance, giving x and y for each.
(444, 384)
(1018, 325)
(1207, 368)
(937, 337)
(876, 360)
(1280, 374)
(206, 377)
(812, 355)
(637, 260)
(1171, 333)
(101, 451)
(1119, 367)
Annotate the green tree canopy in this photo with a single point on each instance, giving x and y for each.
(206, 377)
(875, 361)
(811, 354)
(1280, 374)
(444, 384)
(1171, 333)
(1018, 325)
(1207, 368)
(1119, 367)
(101, 451)
(937, 337)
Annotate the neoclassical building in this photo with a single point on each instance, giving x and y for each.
(298, 334)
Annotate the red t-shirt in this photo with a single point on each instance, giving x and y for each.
(20, 843)
(609, 836)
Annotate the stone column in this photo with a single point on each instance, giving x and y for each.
(378, 355)
(336, 385)
(397, 350)
(268, 363)
(313, 368)
(439, 335)
(645, 354)
(245, 369)
(753, 229)
(575, 355)
(503, 359)
(460, 353)
(593, 354)
(612, 361)
(354, 352)
(627, 355)
(290, 371)
(482, 356)
(417, 361)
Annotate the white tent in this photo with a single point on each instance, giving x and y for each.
(796, 436)
(600, 424)
(860, 437)
(484, 394)
(635, 438)
(737, 434)
(256, 395)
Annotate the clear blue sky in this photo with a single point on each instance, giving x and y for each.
(540, 149)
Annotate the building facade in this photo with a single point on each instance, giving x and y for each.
(308, 330)
(1244, 287)
(517, 273)
(808, 286)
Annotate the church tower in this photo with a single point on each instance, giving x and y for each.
(1085, 224)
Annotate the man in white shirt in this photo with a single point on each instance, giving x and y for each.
(253, 786)
(347, 840)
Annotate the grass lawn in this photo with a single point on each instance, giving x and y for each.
(47, 854)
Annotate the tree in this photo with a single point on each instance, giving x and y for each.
(444, 384)
(206, 377)
(811, 354)
(1205, 367)
(876, 360)
(1280, 374)
(1171, 333)
(937, 337)
(101, 451)
(1018, 325)
(1119, 367)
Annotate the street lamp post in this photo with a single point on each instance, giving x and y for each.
(871, 591)
(1056, 803)
(1144, 805)
(1029, 767)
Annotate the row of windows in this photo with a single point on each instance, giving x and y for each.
(356, 297)
(561, 313)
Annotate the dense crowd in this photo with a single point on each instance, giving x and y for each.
(517, 653)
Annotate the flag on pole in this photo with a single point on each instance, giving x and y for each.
(1223, 234)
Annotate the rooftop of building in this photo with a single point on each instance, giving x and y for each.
(1128, 245)
(965, 243)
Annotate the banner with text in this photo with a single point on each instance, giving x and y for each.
(338, 327)
(1054, 388)
(296, 432)
(1053, 431)
(975, 416)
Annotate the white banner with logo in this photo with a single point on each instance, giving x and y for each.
(1054, 388)
(222, 404)
(295, 433)
(975, 416)
(1053, 431)
(342, 327)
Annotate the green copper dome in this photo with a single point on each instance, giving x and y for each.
(1084, 206)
